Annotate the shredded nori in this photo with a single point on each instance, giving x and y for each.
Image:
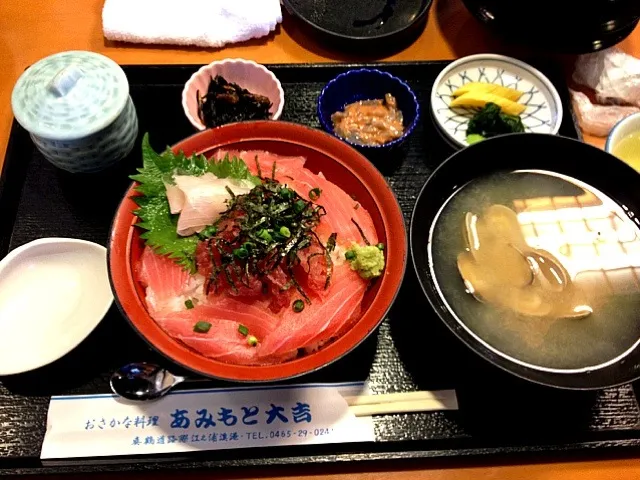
(227, 102)
(364, 238)
(263, 230)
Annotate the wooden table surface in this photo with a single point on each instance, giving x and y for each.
(31, 30)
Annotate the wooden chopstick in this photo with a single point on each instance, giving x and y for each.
(365, 405)
(398, 397)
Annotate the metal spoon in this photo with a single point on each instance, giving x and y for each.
(143, 381)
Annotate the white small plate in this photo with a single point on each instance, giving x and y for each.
(544, 108)
(53, 293)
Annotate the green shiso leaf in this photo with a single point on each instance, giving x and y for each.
(155, 217)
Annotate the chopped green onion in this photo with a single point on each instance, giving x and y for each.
(210, 231)
(249, 246)
(251, 340)
(201, 327)
(314, 193)
(189, 304)
(285, 232)
(241, 253)
(350, 255)
(298, 306)
(244, 331)
(264, 235)
(380, 246)
(474, 138)
(286, 193)
(299, 206)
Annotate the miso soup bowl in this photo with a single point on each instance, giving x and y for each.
(527, 151)
(341, 165)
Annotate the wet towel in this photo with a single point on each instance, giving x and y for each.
(203, 23)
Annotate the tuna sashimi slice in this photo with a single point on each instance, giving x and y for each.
(265, 160)
(167, 284)
(252, 314)
(222, 342)
(341, 209)
(316, 322)
(340, 323)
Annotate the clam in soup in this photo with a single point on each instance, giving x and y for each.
(541, 268)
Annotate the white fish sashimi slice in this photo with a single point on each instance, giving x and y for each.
(205, 199)
(175, 197)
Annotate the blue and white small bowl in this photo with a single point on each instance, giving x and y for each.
(77, 109)
(622, 129)
(543, 113)
(368, 84)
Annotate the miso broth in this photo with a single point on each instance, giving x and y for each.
(595, 243)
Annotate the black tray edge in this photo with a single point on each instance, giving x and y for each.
(444, 458)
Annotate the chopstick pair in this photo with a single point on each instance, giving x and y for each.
(407, 402)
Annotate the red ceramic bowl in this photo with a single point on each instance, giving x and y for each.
(340, 164)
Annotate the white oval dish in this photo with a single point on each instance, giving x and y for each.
(246, 73)
(53, 293)
(544, 107)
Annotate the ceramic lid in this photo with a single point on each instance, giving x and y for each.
(69, 95)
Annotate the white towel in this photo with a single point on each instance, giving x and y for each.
(204, 23)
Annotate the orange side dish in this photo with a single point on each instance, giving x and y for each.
(369, 122)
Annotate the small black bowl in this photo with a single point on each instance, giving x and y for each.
(372, 27)
(526, 151)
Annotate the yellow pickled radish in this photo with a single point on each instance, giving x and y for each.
(480, 99)
(505, 92)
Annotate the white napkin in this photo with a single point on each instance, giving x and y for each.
(203, 23)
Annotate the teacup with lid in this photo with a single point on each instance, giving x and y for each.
(77, 109)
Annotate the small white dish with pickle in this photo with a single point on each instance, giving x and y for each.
(486, 95)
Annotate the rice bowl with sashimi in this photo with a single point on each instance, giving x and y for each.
(251, 260)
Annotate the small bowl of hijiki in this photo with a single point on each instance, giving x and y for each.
(229, 91)
(369, 109)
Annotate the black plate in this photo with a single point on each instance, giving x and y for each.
(534, 151)
(501, 418)
(358, 24)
